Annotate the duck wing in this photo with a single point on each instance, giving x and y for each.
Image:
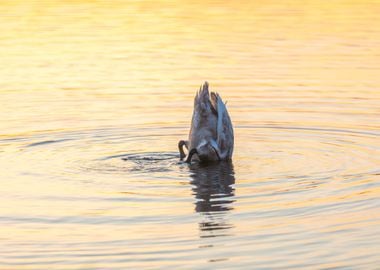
(224, 130)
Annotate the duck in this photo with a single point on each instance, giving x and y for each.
(211, 136)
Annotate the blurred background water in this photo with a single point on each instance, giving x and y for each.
(94, 96)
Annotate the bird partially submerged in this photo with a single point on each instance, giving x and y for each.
(211, 136)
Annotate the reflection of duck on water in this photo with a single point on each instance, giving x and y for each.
(214, 193)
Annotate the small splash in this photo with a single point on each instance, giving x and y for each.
(151, 162)
(147, 156)
(139, 163)
(153, 156)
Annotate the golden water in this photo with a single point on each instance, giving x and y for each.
(84, 84)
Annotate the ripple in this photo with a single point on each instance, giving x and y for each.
(47, 142)
(314, 129)
(137, 163)
(150, 156)
(282, 179)
(316, 152)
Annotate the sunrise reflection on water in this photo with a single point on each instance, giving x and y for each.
(94, 97)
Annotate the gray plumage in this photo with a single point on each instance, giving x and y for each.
(211, 136)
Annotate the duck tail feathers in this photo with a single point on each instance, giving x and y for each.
(202, 98)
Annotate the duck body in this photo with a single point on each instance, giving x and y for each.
(211, 135)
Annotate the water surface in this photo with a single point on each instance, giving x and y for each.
(94, 98)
